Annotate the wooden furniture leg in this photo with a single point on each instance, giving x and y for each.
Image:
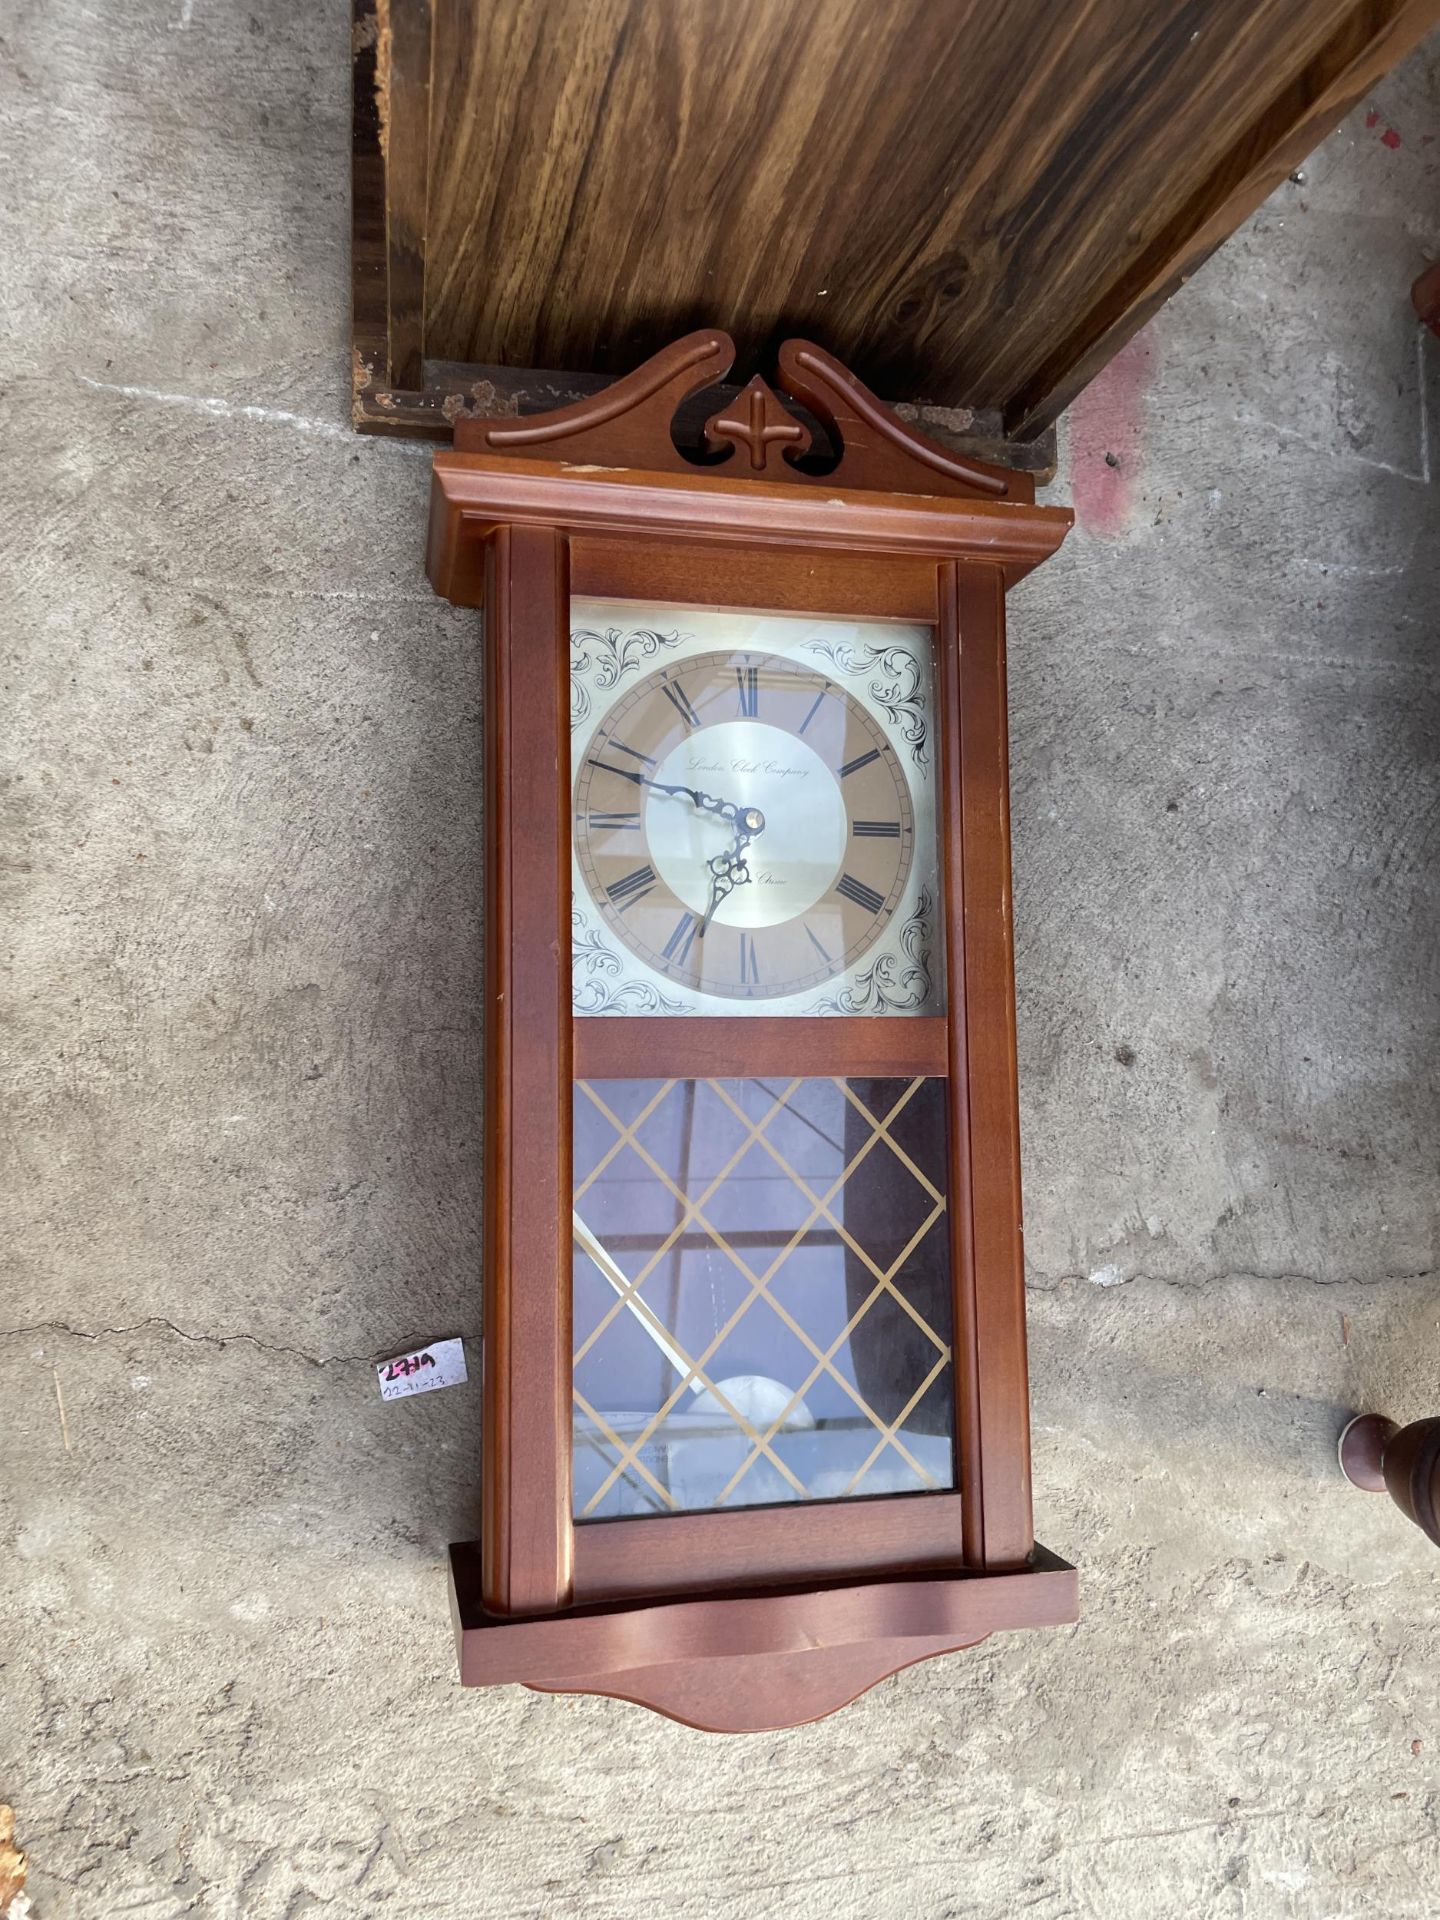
(1425, 297)
(1378, 1456)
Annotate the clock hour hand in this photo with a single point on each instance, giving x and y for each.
(727, 871)
(730, 870)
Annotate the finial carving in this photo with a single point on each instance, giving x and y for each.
(756, 420)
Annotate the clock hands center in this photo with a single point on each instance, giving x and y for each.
(728, 870)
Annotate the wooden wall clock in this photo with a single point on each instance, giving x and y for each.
(756, 1409)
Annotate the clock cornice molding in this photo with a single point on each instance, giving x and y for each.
(617, 464)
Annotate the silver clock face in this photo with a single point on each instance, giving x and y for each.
(753, 813)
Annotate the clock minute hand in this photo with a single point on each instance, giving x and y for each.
(704, 801)
(748, 819)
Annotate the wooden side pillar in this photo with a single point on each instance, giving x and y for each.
(527, 1535)
(993, 1410)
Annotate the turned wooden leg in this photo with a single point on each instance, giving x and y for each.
(1379, 1457)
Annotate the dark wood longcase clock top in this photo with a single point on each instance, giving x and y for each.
(754, 1276)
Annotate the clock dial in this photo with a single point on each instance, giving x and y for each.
(743, 824)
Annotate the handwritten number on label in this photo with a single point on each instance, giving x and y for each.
(409, 1363)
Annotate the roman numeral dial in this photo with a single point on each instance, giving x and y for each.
(745, 828)
(868, 899)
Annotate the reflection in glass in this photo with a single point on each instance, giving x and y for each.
(761, 1292)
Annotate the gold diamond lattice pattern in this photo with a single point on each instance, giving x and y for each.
(761, 1292)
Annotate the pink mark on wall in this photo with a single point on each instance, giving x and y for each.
(1390, 137)
(1107, 439)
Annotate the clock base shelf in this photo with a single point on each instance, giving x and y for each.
(756, 1660)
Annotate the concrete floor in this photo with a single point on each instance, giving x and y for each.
(242, 1059)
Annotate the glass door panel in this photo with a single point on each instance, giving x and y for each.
(761, 1292)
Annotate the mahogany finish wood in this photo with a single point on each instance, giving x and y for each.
(629, 424)
(764, 580)
(753, 1616)
(972, 647)
(487, 491)
(702, 1048)
(949, 674)
(953, 509)
(627, 566)
(702, 1552)
(970, 204)
(457, 392)
(624, 424)
(760, 1692)
(527, 1530)
(745, 1662)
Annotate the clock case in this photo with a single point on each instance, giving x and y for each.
(825, 503)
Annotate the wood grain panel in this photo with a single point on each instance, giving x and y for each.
(526, 1283)
(737, 1662)
(1365, 43)
(853, 586)
(402, 56)
(994, 1404)
(704, 1048)
(965, 202)
(693, 1552)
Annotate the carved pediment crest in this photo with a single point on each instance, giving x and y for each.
(641, 421)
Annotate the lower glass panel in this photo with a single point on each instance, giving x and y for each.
(761, 1293)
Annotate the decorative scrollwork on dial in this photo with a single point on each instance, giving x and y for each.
(896, 684)
(600, 660)
(899, 981)
(594, 966)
